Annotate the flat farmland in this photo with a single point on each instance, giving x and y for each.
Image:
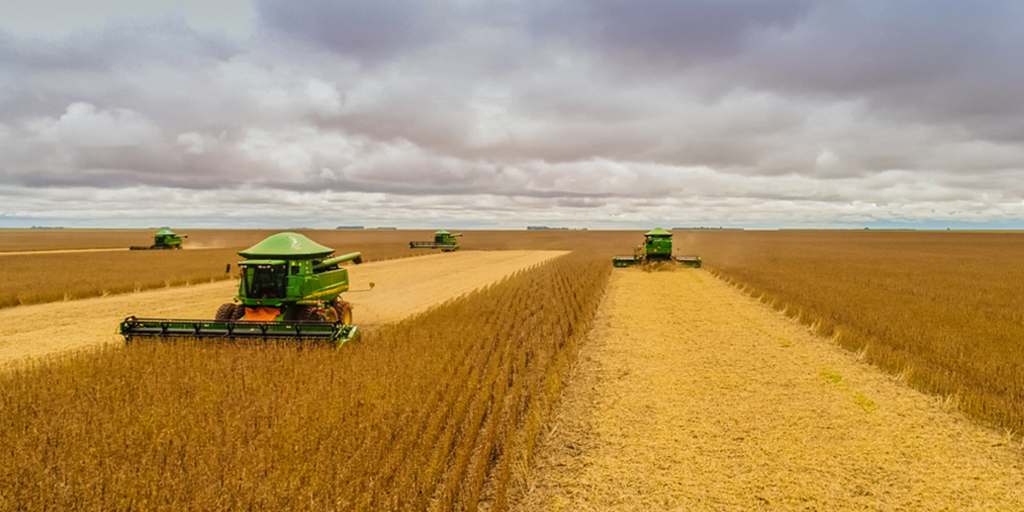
(33, 273)
(687, 393)
(56, 277)
(437, 412)
(26, 240)
(403, 288)
(47, 276)
(22, 240)
(943, 309)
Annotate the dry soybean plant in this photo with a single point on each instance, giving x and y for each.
(437, 412)
(942, 310)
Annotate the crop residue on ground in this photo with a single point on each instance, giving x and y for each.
(685, 399)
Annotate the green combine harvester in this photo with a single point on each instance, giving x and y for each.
(657, 247)
(290, 289)
(163, 240)
(442, 240)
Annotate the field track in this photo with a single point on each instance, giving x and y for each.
(403, 287)
(689, 395)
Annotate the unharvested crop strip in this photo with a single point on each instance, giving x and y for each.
(937, 309)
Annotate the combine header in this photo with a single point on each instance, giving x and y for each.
(289, 290)
(442, 240)
(657, 246)
(164, 239)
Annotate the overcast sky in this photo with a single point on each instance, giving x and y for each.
(466, 113)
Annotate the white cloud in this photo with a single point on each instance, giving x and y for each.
(826, 158)
(85, 126)
(323, 98)
(197, 143)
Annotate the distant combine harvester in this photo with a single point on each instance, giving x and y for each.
(165, 239)
(657, 247)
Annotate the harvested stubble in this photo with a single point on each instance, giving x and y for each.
(939, 309)
(688, 396)
(434, 413)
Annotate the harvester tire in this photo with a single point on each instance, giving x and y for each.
(344, 311)
(310, 314)
(225, 312)
(330, 314)
(238, 314)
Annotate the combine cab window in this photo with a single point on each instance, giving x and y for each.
(265, 281)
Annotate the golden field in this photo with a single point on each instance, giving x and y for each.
(52, 277)
(22, 240)
(38, 278)
(688, 395)
(443, 411)
(17, 240)
(404, 287)
(940, 309)
(438, 412)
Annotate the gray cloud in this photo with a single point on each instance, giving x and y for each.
(621, 110)
(940, 61)
(364, 29)
(656, 34)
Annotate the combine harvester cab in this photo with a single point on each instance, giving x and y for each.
(657, 247)
(442, 240)
(289, 289)
(164, 239)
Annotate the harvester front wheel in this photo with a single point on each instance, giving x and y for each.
(225, 312)
(344, 312)
(310, 314)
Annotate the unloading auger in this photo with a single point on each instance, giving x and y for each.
(290, 289)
